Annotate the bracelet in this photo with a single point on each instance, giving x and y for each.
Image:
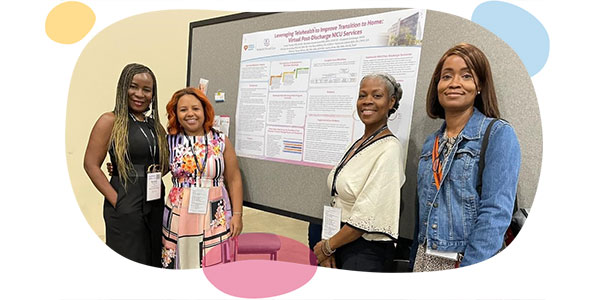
(237, 213)
(326, 248)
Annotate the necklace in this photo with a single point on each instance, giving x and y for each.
(448, 143)
(135, 118)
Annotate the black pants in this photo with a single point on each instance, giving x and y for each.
(134, 227)
(363, 255)
(314, 236)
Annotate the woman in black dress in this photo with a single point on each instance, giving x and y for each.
(133, 198)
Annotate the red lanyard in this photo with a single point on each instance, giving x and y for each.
(436, 165)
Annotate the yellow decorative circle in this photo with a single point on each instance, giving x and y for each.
(69, 22)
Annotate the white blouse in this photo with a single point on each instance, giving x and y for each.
(368, 188)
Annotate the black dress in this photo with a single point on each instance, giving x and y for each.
(133, 227)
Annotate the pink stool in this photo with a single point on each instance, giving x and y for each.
(257, 243)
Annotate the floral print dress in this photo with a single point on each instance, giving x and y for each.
(188, 236)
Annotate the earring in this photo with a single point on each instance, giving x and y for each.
(393, 116)
(478, 92)
(355, 115)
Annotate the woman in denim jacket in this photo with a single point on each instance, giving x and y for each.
(457, 225)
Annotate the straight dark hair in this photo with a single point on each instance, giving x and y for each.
(486, 102)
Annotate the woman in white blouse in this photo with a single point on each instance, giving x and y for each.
(366, 184)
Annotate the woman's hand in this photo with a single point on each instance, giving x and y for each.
(329, 262)
(236, 225)
(233, 180)
(346, 235)
(109, 168)
(324, 260)
(112, 199)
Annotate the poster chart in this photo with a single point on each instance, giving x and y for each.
(298, 86)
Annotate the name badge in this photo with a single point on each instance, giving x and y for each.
(332, 217)
(153, 186)
(198, 200)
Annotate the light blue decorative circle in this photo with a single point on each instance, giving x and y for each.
(519, 29)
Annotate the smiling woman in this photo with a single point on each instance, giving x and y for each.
(140, 94)
(190, 114)
(366, 184)
(203, 165)
(457, 87)
(462, 219)
(137, 146)
(94, 80)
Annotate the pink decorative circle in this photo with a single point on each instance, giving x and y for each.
(244, 269)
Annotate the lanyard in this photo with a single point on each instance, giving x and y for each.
(436, 164)
(362, 145)
(151, 145)
(194, 152)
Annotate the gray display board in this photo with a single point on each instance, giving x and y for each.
(301, 192)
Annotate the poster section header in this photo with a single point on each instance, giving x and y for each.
(401, 27)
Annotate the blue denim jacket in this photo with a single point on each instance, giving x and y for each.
(456, 218)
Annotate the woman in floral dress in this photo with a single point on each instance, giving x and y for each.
(204, 207)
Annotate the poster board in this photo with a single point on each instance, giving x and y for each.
(300, 191)
(298, 85)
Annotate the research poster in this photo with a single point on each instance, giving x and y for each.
(298, 86)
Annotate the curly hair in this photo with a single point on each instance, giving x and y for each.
(392, 87)
(174, 127)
